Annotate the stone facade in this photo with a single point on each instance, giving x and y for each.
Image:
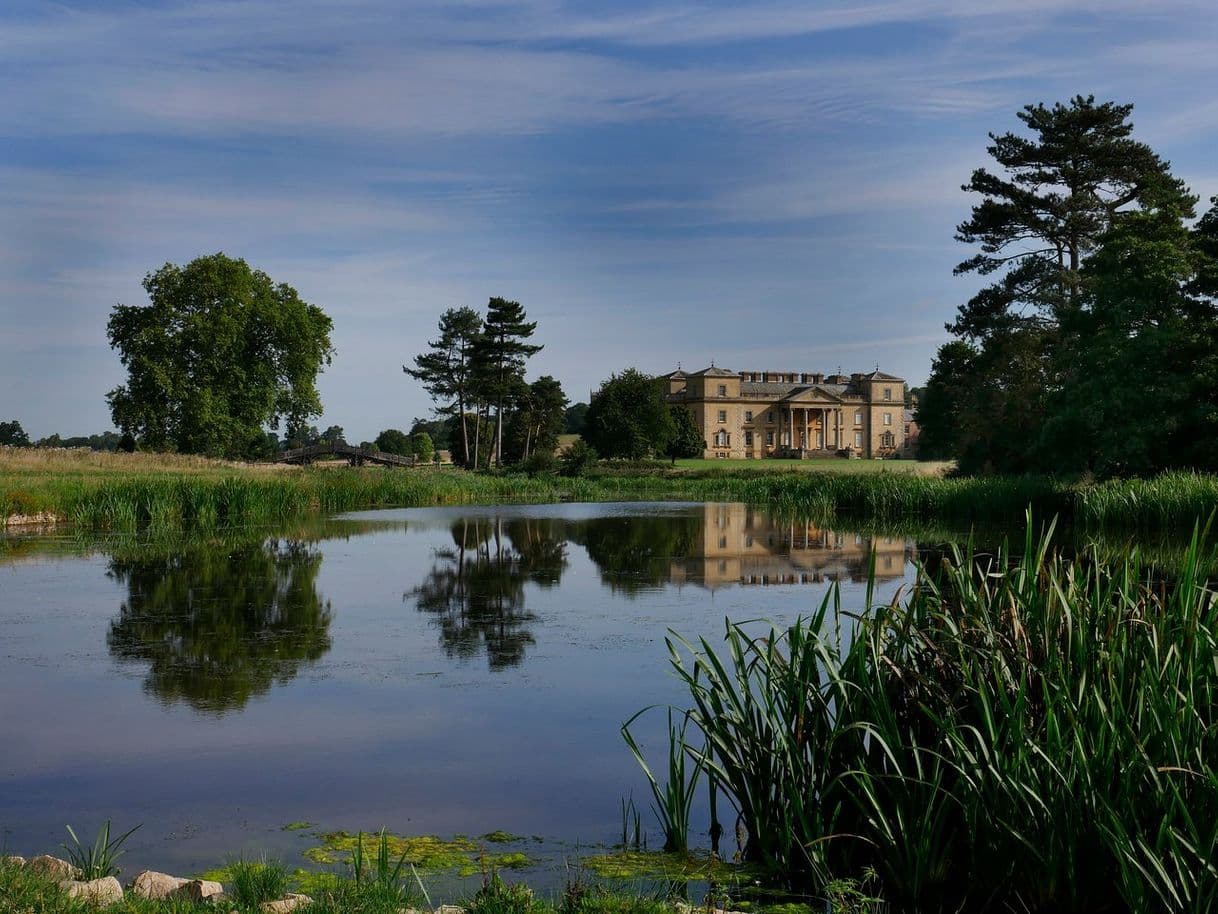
(754, 414)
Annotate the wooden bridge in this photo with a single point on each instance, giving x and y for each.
(355, 456)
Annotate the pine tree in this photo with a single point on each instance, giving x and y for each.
(500, 354)
(446, 369)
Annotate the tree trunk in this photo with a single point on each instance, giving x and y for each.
(498, 433)
(477, 438)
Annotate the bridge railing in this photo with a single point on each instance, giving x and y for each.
(341, 449)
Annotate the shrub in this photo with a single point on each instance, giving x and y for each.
(577, 458)
(539, 463)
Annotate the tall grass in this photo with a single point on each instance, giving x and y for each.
(1023, 732)
(125, 492)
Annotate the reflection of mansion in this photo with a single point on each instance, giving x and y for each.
(793, 414)
(741, 545)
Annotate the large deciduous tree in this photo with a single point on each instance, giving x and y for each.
(12, 434)
(446, 369)
(219, 354)
(628, 417)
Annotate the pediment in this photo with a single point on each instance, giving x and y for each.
(813, 394)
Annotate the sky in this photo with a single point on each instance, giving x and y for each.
(761, 185)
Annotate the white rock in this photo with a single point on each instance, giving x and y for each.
(199, 890)
(53, 868)
(285, 905)
(14, 860)
(99, 891)
(450, 909)
(154, 885)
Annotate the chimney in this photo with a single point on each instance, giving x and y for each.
(818, 378)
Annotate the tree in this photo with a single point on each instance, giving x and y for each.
(687, 440)
(941, 411)
(446, 370)
(538, 419)
(629, 417)
(1059, 194)
(421, 447)
(1139, 310)
(499, 354)
(221, 353)
(441, 430)
(575, 416)
(334, 435)
(393, 441)
(12, 434)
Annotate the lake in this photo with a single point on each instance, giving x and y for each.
(433, 671)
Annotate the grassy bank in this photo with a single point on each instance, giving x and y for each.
(114, 491)
(379, 886)
(1025, 732)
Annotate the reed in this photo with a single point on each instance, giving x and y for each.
(673, 800)
(100, 858)
(1024, 731)
(125, 492)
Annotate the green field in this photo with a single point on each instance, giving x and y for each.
(821, 465)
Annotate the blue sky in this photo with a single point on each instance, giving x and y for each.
(765, 185)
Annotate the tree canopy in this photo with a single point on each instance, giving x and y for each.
(12, 434)
(393, 441)
(219, 354)
(687, 440)
(1090, 349)
(629, 417)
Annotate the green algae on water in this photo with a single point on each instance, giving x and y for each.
(425, 852)
(299, 826)
(633, 864)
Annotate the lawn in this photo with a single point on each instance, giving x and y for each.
(822, 465)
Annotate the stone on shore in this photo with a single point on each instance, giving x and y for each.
(13, 860)
(199, 890)
(98, 891)
(53, 868)
(285, 905)
(156, 886)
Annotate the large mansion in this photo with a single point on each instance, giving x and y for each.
(793, 414)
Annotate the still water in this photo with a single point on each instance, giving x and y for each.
(434, 671)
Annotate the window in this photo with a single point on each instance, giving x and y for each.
(888, 440)
(723, 391)
(723, 415)
(887, 393)
(769, 438)
(858, 417)
(748, 415)
(888, 418)
(723, 542)
(858, 439)
(748, 439)
(722, 439)
(769, 417)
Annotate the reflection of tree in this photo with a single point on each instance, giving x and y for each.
(219, 626)
(635, 553)
(476, 589)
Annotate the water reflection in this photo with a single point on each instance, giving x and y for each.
(476, 589)
(217, 627)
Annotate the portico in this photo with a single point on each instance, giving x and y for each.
(811, 420)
